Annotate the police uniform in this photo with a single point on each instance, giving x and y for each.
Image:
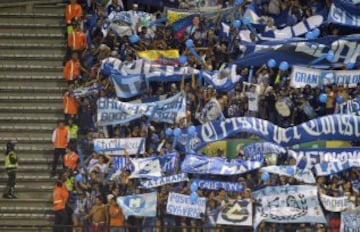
(11, 163)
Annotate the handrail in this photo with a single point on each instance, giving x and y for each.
(26, 3)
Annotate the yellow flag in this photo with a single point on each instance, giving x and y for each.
(154, 55)
(173, 16)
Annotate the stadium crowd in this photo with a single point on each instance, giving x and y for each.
(86, 191)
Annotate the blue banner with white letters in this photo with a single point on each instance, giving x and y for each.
(139, 205)
(202, 164)
(216, 185)
(112, 112)
(332, 127)
(256, 151)
(344, 13)
(128, 86)
(156, 182)
(330, 168)
(351, 106)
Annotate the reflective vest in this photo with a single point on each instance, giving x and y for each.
(71, 160)
(77, 40)
(60, 196)
(8, 158)
(61, 138)
(72, 11)
(70, 104)
(71, 70)
(73, 131)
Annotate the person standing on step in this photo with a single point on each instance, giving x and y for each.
(60, 197)
(11, 163)
(60, 139)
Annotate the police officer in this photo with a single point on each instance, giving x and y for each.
(11, 163)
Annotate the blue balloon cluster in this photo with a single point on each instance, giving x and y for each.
(245, 21)
(330, 57)
(177, 132)
(284, 66)
(350, 65)
(323, 98)
(290, 170)
(134, 39)
(183, 59)
(191, 130)
(339, 99)
(271, 63)
(189, 43)
(237, 24)
(78, 178)
(168, 132)
(265, 176)
(194, 196)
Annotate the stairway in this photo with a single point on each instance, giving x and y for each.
(31, 86)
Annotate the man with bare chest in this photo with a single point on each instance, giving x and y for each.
(98, 216)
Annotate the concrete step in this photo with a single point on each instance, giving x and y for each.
(44, 38)
(29, 119)
(33, 180)
(31, 18)
(31, 78)
(32, 89)
(58, 9)
(29, 159)
(28, 128)
(24, 209)
(25, 202)
(31, 99)
(27, 107)
(33, 48)
(36, 83)
(30, 68)
(32, 28)
(30, 59)
(46, 195)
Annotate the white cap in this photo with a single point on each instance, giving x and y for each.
(109, 197)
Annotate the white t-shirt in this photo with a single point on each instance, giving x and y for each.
(253, 100)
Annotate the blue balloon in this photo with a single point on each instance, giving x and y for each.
(238, 2)
(134, 39)
(323, 98)
(78, 178)
(168, 132)
(339, 99)
(183, 59)
(194, 187)
(245, 21)
(97, 149)
(265, 176)
(290, 170)
(237, 24)
(330, 57)
(194, 197)
(309, 35)
(316, 32)
(284, 66)
(191, 130)
(177, 132)
(350, 65)
(271, 63)
(189, 43)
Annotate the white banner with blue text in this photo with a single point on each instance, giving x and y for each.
(181, 205)
(118, 146)
(216, 185)
(156, 182)
(302, 175)
(350, 221)
(334, 204)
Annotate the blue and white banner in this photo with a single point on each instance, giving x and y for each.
(145, 168)
(224, 79)
(301, 52)
(181, 205)
(128, 86)
(331, 127)
(86, 91)
(236, 213)
(330, 168)
(168, 162)
(156, 182)
(288, 204)
(118, 146)
(143, 205)
(302, 76)
(313, 156)
(350, 221)
(335, 204)
(112, 111)
(201, 164)
(344, 13)
(305, 175)
(351, 106)
(256, 151)
(216, 185)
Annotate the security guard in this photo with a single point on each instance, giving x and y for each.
(11, 163)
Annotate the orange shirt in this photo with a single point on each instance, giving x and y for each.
(70, 104)
(71, 69)
(60, 196)
(117, 220)
(77, 40)
(60, 138)
(72, 11)
(71, 160)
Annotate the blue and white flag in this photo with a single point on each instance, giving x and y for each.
(86, 91)
(143, 205)
(256, 151)
(335, 204)
(330, 168)
(181, 205)
(156, 182)
(145, 168)
(351, 106)
(288, 204)
(236, 213)
(118, 146)
(305, 175)
(301, 52)
(112, 111)
(350, 220)
(302, 76)
(216, 185)
(128, 86)
(224, 79)
(313, 156)
(344, 13)
(201, 164)
(332, 127)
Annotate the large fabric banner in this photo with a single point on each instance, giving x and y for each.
(201, 164)
(86, 91)
(350, 107)
(302, 76)
(301, 52)
(128, 86)
(334, 204)
(145, 168)
(344, 13)
(318, 155)
(181, 205)
(143, 205)
(112, 111)
(331, 127)
(153, 55)
(156, 182)
(288, 204)
(330, 168)
(350, 221)
(216, 185)
(224, 79)
(256, 151)
(305, 175)
(236, 213)
(118, 146)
